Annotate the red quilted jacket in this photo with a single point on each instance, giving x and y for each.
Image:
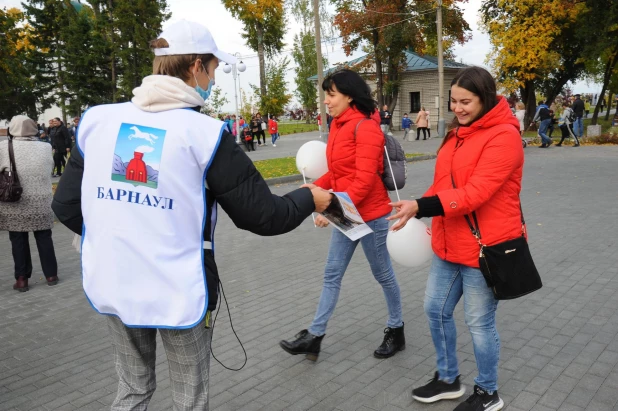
(354, 166)
(486, 161)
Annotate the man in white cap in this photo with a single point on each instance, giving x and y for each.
(142, 185)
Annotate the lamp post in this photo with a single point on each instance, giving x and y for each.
(234, 69)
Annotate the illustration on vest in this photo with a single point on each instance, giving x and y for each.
(137, 155)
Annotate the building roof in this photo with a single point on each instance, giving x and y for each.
(414, 62)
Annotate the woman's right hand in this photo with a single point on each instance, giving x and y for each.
(321, 221)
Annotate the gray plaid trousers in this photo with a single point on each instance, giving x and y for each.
(188, 355)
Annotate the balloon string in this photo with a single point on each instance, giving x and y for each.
(388, 159)
(305, 180)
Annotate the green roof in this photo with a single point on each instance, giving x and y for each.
(414, 62)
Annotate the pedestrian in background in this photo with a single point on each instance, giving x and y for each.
(488, 187)
(544, 116)
(32, 213)
(520, 115)
(406, 123)
(273, 129)
(385, 119)
(61, 144)
(566, 125)
(578, 108)
(421, 123)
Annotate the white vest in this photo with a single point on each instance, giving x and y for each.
(144, 209)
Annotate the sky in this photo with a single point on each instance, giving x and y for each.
(227, 33)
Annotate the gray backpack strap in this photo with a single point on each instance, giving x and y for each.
(356, 129)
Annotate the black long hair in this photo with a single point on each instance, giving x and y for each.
(478, 81)
(351, 84)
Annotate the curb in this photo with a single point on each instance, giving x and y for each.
(299, 177)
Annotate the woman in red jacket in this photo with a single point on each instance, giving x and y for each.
(478, 169)
(355, 163)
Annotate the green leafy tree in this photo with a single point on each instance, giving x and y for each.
(215, 102)
(264, 29)
(306, 59)
(16, 86)
(277, 97)
(132, 42)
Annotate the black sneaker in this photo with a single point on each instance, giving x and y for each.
(437, 390)
(480, 400)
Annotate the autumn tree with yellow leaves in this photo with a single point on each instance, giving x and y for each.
(534, 45)
(264, 28)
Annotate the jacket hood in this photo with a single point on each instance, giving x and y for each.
(500, 114)
(161, 93)
(353, 114)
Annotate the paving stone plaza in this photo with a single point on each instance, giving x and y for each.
(559, 345)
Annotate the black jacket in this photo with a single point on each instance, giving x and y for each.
(578, 107)
(233, 182)
(60, 138)
(385, 118)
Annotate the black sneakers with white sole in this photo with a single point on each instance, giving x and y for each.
(481, 400)
(437, 390)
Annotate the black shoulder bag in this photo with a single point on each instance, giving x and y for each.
(10, 188)
(507, 267)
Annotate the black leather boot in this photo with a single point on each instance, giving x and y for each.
(305, 343)
(394, 340)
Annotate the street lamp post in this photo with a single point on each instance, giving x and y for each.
(234, 69)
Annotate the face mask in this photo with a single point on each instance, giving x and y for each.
(204, 93)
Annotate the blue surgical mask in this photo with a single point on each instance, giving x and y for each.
(204, 93)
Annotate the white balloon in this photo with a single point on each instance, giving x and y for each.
(311, 158)
(410, 246)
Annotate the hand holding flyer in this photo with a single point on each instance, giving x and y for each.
(344, 216)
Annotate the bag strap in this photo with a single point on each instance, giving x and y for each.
(12, 160)
(356, 129)
(476, 231)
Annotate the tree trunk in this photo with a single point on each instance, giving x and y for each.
(380, 89)
(260, 39)
(609, 105)
(113, 55)
(609, 68)
(552, 93)
(528, 97)
(393, 77)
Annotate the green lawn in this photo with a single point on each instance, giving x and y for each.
(296, 127)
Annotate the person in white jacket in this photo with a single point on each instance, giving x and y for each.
(566, 125)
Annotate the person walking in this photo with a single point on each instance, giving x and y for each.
(428, 124)
(165, 226)
(566, 125)
(406, 123)
(273, 129)
(32, 213)
(421, 123)
(61, 144)
(578, 108)
(354, 154)
(544, 116)
(261, 129)
(520, 115)
(478, 170)
(385, 119)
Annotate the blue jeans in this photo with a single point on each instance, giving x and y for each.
(543, 130)
(274, 137)
(446, 284)
(339, 255)
(578, 127)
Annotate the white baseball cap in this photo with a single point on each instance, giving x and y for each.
(187, 37)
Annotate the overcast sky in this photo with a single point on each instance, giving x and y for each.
(227, 33)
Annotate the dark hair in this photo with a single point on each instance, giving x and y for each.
(478, 81)
(351, 84)
(541, 102)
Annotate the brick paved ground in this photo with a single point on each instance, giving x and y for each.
(560, 350)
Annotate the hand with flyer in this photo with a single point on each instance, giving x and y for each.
(344, 216)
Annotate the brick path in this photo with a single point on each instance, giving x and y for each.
(560, 350)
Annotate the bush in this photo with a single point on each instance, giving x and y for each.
(609, 137)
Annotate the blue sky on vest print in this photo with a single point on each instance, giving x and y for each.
(134, 138)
